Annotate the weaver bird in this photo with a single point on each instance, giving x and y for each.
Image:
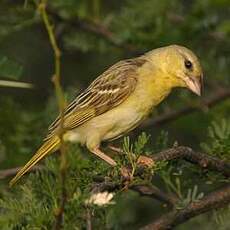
(120, 99)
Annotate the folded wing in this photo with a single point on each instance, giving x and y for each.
(107, 91)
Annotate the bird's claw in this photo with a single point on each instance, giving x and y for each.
(145, 161)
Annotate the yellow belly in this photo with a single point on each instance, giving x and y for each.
(119, 120)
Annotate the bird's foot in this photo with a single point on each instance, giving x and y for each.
(145, 161)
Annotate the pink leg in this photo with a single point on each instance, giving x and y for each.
(115, 149)
(146, 161)
(103, 156)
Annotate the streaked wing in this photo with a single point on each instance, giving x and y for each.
(107, 91)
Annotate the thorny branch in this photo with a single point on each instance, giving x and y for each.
(61, 102)
(203, 160)
(214, 200)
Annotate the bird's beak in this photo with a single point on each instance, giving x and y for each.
(194, 84)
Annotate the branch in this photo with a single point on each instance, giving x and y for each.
(205, 161)
(219, 96)
(155, 193)
(214, 200)
(143, 189)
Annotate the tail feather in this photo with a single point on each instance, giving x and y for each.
(48, 147)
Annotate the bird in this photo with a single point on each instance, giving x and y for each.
(120, 99)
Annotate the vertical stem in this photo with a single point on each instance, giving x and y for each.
(96, 10)
(61, 102)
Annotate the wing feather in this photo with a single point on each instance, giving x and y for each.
(107, 91)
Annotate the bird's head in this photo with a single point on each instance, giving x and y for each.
(181, 65)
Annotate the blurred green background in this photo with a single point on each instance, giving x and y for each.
(92, 35)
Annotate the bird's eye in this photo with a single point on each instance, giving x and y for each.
(188, 64)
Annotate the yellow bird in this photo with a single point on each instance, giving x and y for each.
(120, 99)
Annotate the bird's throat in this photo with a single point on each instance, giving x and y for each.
(158, 89)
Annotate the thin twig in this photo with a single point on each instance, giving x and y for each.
(156, 193)
(16, 84)
(61, 102)
(214, 200)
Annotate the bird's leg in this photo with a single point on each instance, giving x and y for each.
(103, 156)
(146, 161)
(115, 149)
(142, 160)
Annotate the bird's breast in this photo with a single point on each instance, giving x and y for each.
(122, 118)
(131, 113)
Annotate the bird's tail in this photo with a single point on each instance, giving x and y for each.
(48, 147)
